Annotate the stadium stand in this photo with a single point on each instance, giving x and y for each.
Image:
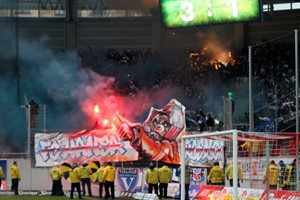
(127, 43)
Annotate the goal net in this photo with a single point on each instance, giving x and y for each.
(251, 151)
(186, 138)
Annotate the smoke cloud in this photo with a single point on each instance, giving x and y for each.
(29, 70)
(69, 93)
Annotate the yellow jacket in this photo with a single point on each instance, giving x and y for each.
(75, 175)
(253, 146)
(55, 173)
(246, 145)
(14, 172)
(86, 171)
(273, 174)
(216, 175)
(165, 174)
(229, 172)
(152, 176)
(109, 173)
(289, 178)
(100, 173)
(1, 172)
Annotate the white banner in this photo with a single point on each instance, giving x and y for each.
(83, 146)
(203, 152)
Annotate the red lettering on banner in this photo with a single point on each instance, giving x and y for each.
(281, 195)
(210, 192)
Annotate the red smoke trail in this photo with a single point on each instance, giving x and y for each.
(100, 101)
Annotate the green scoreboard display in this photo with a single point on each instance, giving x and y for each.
(186, 13)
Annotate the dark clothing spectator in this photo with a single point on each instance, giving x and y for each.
(34, 111)
(281, 173)
(209, 121)
(201, 122)
(232, 106)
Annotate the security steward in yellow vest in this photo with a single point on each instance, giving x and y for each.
(75, 177)
(229, 175)
(165, 177)
(216, 175)
(86, 173)
(15, 177)
(273, 175)
(289, 177)
(100, 179)
(56, 174)
(152, 179)
(109, 176)
(1, 176)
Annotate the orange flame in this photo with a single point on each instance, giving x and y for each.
(193, 55)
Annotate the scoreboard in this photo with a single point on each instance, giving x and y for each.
(186, 13)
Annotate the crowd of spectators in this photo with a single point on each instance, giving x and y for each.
(274, 65)
(94, 58)
(190, 70)
(199, 74)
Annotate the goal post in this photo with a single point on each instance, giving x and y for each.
(233, 134)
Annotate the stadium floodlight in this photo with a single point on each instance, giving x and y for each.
(234, 134)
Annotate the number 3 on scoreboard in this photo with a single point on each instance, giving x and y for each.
(189, 11)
